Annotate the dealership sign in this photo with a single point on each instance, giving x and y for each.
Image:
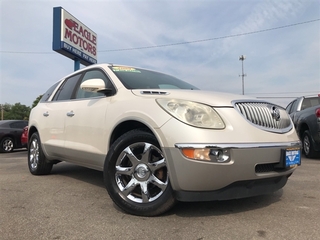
(72, 38)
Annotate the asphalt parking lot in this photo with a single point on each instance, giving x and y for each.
(72, 203)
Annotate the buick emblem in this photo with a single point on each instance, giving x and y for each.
(275, 113)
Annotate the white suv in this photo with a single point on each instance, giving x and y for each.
(158, 139)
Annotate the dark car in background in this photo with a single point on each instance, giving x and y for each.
(305, 114)
(10, 134)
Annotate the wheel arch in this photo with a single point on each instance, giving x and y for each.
(8, 135)
(31, 130)
(303, 127)
(127, 126)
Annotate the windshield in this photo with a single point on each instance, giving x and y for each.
(136, 78)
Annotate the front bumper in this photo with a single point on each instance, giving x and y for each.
(249, 172)
(236, 190)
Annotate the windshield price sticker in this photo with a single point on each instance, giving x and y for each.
(125, 69)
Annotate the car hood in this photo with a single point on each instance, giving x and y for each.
(211, 98)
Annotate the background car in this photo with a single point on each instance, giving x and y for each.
(305, 114)
(24, 137)
(10, 134)
(302, 103)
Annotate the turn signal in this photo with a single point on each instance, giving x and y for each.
(199, 154)
(207, 154)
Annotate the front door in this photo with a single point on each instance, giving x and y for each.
(85, 126)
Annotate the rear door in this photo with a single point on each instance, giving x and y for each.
(53, 114)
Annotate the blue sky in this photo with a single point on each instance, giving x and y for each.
(281, 64)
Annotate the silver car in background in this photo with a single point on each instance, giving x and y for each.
(158, 139)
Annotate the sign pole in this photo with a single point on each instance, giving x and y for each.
(242, 58)
(76, 64)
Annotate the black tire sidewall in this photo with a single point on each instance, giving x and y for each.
(311, 152)
(158, 206)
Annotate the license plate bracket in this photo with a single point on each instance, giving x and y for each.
(290, 157)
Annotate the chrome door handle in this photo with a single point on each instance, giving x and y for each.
(70, 114)
(46, 114)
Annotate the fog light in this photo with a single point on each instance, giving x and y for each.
(220, 155)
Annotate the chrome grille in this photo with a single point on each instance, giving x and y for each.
(265, 115)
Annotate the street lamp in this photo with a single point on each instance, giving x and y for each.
(242, 58)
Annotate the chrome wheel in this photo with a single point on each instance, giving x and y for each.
(37, 161)
(137, 176)
(34, 153)
(141, 173)
(7, 145)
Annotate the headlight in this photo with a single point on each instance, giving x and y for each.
(192, 113)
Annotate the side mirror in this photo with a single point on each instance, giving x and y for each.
(95, 85)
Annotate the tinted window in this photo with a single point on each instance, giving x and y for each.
(66, 90)
(135, 78)
(315, 101)
(91, 75)
(20, 125)
(48, 93)
(310, 102)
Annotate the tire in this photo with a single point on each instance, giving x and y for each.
(37, 162)
(136, 175)
(7, 145)
(308, 148)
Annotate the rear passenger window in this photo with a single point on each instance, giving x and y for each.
(306, 104)
(67, 88)
(48, 93)
(310, 102)
(20, 125)
(315, 101)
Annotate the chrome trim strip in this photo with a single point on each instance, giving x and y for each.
(238, 145)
